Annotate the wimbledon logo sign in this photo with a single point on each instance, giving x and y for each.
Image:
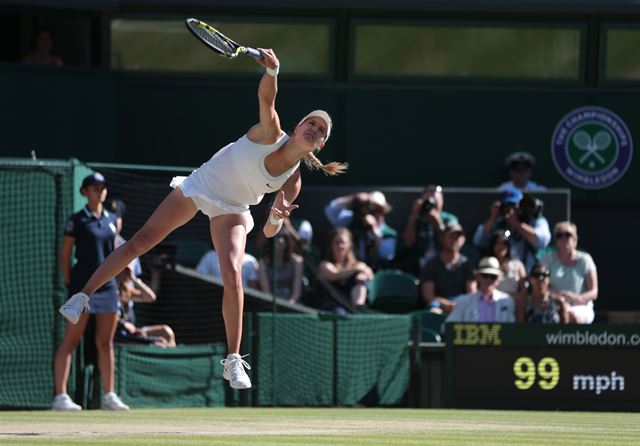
(591, 147)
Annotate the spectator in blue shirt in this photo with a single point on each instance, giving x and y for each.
(520, 168)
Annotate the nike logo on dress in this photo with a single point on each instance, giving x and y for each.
(270, 186)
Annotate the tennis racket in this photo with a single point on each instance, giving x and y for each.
(218, 42)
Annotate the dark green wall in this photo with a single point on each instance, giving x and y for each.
(60, 113)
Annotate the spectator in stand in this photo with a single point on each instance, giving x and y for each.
(42, 49)
(363, 213)
(343, 271)
(536, 304)
(117, 207)
(301, 231)
(288, 268)
(520, 168)
(133, 289)
(209, 265)
(522, 216)
(449, 274)
(420, 239)
(92, 232)
(513, 273)
(573, 274)
(488, 304)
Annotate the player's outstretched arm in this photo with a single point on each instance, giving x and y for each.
(268, 130)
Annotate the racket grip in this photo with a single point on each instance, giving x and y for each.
(254, 53)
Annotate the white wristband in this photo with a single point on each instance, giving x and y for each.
(274, 220)
(273, 71)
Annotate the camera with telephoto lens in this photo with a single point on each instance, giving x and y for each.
(530, 209)
(361, 208)
(427, 205)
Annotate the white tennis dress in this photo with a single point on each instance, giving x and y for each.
(233, 179)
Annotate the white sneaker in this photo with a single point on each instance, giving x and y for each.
(234, 372)
(64, 402)
(111, 401)
(73, 308)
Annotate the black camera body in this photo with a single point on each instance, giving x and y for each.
(428, 204)
(530, 209)
(361, 208)
(505, 208)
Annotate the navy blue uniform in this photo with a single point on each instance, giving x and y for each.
(94, 241)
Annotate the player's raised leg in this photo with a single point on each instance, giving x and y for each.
(174, 211)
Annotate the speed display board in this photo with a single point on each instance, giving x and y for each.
(579, 367)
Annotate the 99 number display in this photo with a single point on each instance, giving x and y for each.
(547, 371)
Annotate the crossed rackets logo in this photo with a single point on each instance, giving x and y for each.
(591, 147)
(595, 149)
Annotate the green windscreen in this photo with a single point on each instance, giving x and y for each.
(35, 201)
(303, 360)
(184, 376)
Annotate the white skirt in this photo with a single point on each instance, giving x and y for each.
(209, 205)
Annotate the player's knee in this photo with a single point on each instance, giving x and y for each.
(232, 279)
(104, 345)
(169, 335)
(142, 242)
(67, 347)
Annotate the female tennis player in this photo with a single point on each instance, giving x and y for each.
(264, 160)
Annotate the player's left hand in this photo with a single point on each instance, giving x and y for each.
(281, 207)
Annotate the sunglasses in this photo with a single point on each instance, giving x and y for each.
(564, 235)
(540, 275)
(489, 276)
(520, 165)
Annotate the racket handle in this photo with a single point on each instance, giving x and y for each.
(254, 53)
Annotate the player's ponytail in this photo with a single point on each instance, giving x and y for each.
(332, 169)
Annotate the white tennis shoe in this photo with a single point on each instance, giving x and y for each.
(111, 401)
(234, 372)
(64, 402)
(74, 307)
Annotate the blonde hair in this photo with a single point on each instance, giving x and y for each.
(567, 226)
(332, 168)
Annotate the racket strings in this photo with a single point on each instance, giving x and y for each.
(215, 41)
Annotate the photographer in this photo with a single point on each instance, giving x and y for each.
(522, 215)
(420, 240)
(363, 213)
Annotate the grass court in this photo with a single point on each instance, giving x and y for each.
(326, 426)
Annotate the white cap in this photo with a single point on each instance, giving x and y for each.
(306, 231)
(377, 198)
(323, 115)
